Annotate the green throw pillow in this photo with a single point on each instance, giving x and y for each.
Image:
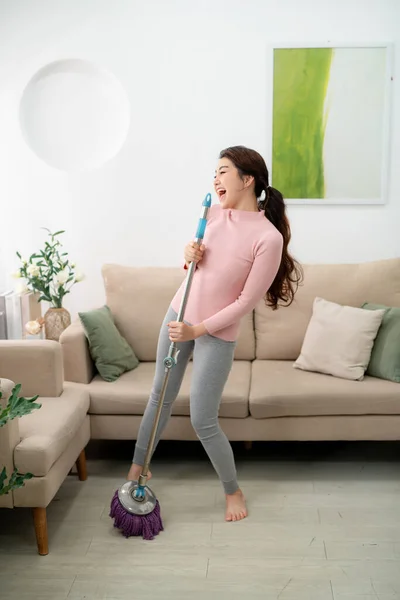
(385, 356)
(110, 351)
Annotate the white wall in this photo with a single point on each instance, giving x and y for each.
(196, 74)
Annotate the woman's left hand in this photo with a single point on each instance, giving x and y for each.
(180, 332)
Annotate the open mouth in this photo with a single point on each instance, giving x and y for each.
(221, 193)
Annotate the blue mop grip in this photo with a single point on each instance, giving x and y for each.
(201, 228)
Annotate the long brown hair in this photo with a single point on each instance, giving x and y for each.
(289, 275)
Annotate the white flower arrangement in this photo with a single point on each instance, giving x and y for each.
(48, 273)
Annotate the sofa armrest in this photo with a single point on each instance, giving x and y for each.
(9, 438)
(36, 364)
(78, 364)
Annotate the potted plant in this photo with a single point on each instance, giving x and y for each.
(50, 274)
(17, 406)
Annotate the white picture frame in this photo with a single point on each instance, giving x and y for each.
(335, 163)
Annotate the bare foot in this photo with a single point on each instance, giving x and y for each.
(235, 507)
(135, 471)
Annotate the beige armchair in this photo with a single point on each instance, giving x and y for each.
(50, 440)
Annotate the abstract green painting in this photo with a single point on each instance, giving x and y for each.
(329, 123)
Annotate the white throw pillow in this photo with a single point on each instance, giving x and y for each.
(339, 340)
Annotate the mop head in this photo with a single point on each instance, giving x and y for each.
(147, 526)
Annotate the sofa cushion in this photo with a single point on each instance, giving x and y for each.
(139, 298)
(280, 333)
(246, 340)
(130, 393)
(279, 390)
(339, 340)
(385, 357)
(46, 433)
(109, 350)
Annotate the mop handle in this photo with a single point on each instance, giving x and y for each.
(201, 228)
(170, 359)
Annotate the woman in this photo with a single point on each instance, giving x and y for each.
(244, 258)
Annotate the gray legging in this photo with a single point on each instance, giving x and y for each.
(212, 362)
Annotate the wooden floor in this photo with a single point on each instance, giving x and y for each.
(324, 524)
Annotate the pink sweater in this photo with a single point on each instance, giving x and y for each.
(241, 258)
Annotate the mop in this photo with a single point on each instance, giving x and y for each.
(134, 507)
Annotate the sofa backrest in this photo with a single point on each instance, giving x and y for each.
(139, 297)
(280, 333)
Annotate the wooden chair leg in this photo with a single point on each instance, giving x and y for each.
(81, 466)
(248, 445)
(40, 522)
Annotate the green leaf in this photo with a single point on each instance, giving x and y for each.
(58, 232)
(15, 481)
(3, 477)
(18, 254)
(17, 406)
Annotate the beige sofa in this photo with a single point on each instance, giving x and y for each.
(48, 441)
(265, 398)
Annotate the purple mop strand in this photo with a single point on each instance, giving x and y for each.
(135, 525)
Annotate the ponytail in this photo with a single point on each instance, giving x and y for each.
(289, 274)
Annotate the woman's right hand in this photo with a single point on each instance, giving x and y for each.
(194, 253)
